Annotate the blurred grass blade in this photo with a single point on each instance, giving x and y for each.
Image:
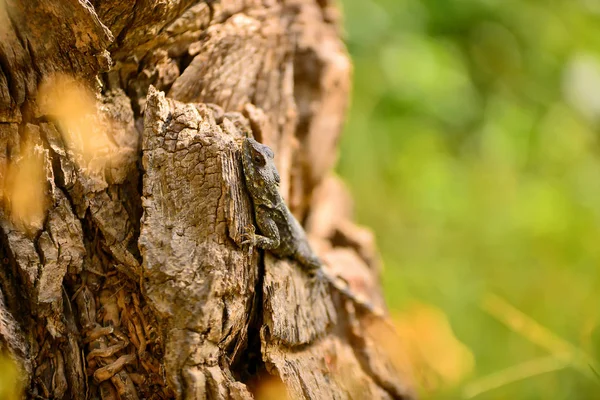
(595, 373)
(524, 325)
(513, 374)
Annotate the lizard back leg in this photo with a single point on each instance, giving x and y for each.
(310, 263)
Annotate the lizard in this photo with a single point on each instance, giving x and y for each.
(280, 231)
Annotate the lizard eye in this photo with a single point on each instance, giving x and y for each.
(259, 159)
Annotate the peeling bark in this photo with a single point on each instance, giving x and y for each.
(123, 275)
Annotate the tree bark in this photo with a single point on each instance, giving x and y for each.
(124, 204)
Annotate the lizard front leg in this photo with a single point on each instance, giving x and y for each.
(270, 239)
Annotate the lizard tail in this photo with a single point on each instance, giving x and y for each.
(361, 301)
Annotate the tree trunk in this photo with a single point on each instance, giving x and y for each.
(124, 205)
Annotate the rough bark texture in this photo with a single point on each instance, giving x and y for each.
(129, 281)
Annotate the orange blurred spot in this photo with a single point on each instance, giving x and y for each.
(25, 196)
(74, 109)
(438, 358)
(394, 345)
(4, 22)
(271, 389)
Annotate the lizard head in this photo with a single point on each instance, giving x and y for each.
(262, 178)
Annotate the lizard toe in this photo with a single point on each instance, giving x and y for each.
(248, 242)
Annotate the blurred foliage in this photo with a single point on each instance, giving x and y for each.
(472, 149)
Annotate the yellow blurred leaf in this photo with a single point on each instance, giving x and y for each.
(10, 386)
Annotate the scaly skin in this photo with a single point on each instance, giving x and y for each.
(281, 233)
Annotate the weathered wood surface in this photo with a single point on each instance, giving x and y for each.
(124, 205)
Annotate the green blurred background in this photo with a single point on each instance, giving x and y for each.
(471, 148)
